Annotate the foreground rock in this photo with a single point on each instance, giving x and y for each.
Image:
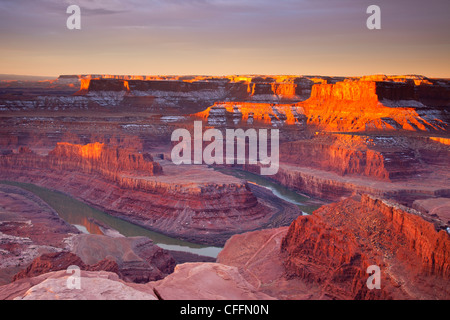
(138, 259)
(326, 255)
(134, 259)
(62, 261)
(99, 285)
(28, 229)
(207, 281)
(257, 256)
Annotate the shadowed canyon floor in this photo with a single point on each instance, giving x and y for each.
(378, 147)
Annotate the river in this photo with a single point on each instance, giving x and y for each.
(81, 215)
(305, 203)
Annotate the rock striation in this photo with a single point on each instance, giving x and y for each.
(98, 157)
(378, 157)
(335, 245)
(351, 105)
(190, 202)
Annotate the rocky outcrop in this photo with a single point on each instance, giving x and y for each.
(28, 229)
(57, 261)
(258, 258)
(91, 158)
(335, 245)
(94, 285)
(347, 106)
(369, 105)
(231, 114)
(134, 259)
(207, 281)
(101, 158)
(190, 281)
(137, 258)
(378, 157)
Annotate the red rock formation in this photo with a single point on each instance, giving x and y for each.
(335, 245)
(101, 158)
(91, 158)
(250, 112)
(28, 228)
(207, 281)
(138, 259)
(95, 285)
(359, 106)
(377, 157)
(350, 105)
(194, 203)
(62, 261)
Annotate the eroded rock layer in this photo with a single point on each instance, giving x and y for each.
(335, 246)
(350, 105)
(193, 203)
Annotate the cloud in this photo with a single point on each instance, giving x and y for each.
(256, 32)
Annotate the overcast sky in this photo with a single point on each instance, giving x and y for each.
(221, 37)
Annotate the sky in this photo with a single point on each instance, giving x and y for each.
(225, 37)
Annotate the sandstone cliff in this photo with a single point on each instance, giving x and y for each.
(350, 105)
(367, 105)
(335, 245)
(189, 202)
(101, 158)
(378, 157)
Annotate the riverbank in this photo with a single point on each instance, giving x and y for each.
(94, 221)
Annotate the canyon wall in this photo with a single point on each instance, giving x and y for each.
(99, 158)
(352, 105)
(102, 158)
(232, 114)
(335, 245)
(382, 158)
(192, 203)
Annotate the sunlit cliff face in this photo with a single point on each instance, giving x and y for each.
(445, 141)
(91, 151)
(355, 106)
(418, 80)
(125, 84)
(85, 84)
(261, 112)
(344, 106)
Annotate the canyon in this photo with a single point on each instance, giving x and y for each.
(195, 204)
(374, 149)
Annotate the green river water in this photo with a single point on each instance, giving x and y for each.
(80, 214)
